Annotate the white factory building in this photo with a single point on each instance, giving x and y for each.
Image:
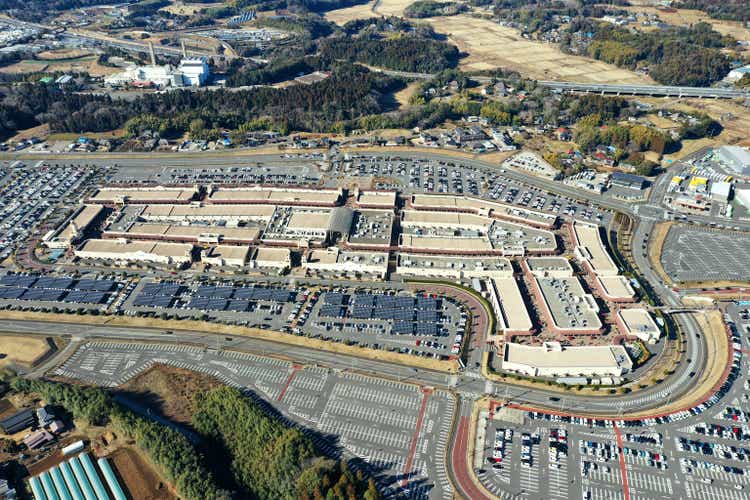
(736, 158)
(191, 72)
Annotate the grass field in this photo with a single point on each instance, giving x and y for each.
(22, 350)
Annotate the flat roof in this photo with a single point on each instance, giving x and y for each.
(638, 320)
(271, 195)
(539, 265)
(569, 305)
(513, 310)
(213, 211)
(610, 356)
(616, 286)
(377, 198)
(272, 254)
(445, 243)
(595, 252)
(180, 231)
(82, 220)
(477, 204)
(136, 194)
(454, 263)
(117, 246)
(506, 234)
(423, 217)
(228, 251)
(309, 220)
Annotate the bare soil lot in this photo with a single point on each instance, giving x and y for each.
(169, 390)
(22, 350)
(139, 477)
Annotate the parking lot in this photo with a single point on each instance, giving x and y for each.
(29, 195)
(700, 453)
(699, 254)
(413, 324)
(399, 430)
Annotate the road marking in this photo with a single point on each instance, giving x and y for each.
(623, 467)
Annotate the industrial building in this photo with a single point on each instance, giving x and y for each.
(123, 250)
(721, 191)
(551, 359)
(637, 322)
(454, 267)
(191, 72)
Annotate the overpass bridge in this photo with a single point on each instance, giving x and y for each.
(647, 90)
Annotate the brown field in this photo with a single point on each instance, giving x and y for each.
(85, 64)
(22, 350)
(169, 390)
(403, 95)
(138, 476)
(491, 46)
(686, 17)
(364, 11)
(186, 8)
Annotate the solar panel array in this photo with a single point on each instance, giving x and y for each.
(211, 297)
(407, 315)
(55, 289)
(162, 295)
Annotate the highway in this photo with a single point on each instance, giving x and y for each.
(648, 90)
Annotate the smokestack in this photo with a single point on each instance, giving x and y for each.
(153, 54)
(184, 51)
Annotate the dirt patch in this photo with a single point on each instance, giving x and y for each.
(22, 350)
(169, 390)
(138, 476)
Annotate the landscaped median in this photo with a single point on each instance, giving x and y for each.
(450, 366)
